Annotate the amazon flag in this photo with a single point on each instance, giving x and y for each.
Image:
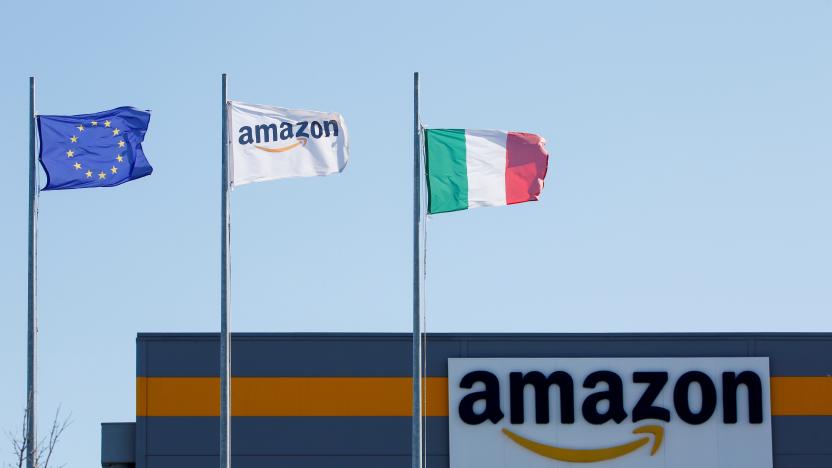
(269, 143)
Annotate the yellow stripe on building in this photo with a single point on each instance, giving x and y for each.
(378, 396)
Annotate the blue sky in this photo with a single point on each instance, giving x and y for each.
(688, 190)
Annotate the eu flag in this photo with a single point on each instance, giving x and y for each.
(93, 150)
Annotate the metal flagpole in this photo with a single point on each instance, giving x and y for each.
(225, 325)
(32, 341)
(416, 435)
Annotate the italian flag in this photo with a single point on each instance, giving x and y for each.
(472, 168)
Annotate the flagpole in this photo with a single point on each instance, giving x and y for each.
(32, 341)
(225, 325)
(416, 434)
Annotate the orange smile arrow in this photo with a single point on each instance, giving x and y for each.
(301, 141)
(591, 455)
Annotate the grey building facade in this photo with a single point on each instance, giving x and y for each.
(341, 400)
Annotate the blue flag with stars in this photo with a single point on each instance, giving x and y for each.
(93, 150)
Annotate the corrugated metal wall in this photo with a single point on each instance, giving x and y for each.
(190, 439)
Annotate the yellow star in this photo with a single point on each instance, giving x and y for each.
(102, 175)
(107, 123)
(73, 139)
(94, 123)
(114, 169)
(70, 153)
(116, 132)
(119, 158)
(121, 144)
(77, 166)
(88, 174)
(80, 128)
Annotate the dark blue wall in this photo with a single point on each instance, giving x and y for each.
(384, 442)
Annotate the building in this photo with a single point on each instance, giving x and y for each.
(343, 400)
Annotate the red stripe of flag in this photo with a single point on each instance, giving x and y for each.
(526, 164)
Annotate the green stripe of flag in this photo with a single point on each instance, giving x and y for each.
(446, 170)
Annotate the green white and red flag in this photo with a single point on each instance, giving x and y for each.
(473, 168)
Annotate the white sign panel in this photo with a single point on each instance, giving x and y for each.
(610, 413)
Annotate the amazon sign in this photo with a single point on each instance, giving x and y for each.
(610, 412)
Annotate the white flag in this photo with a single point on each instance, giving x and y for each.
(270, 143)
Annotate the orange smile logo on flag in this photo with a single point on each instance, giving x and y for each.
(301, 141)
